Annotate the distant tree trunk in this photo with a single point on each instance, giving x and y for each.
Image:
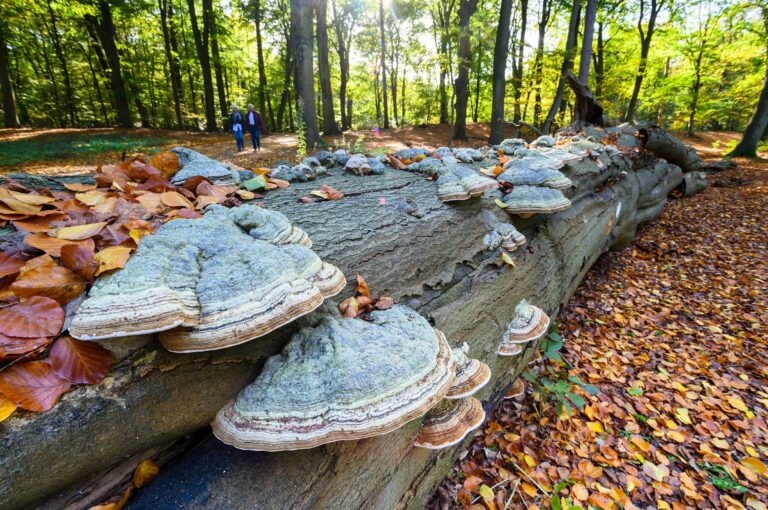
(570, 48)
(478, 65)
(324, 70)
(599, 62)
(383, 64)
(302, 48)
(209, 18)
(285, 96)
(586, 42)
(402, 98)
(201, 43)
(343, 41)
(546, 12)
(645, 48)
(6, 84)
(499, 80)
(106, 33)
(69, 104)
(663, 104)
(171, 56)
(441, 21)
(461, 85)
(758, 123)
(517, 63)
(264, 99)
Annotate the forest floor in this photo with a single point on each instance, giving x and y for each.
(73, 151)
(673, 331)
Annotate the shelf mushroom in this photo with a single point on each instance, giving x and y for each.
(341, 379)
(449, 423)
(526, 201)
(530, 324)
(521, 174)
(471, 374)
(263, 224)
(208, 283)
(517, 389)
(457, 182)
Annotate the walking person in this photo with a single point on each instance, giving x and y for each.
(237, 126)
(254, 125)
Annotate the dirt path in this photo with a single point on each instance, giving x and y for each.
(673, 332)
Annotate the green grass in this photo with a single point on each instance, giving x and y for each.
(67, 146)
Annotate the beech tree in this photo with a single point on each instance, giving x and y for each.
(653, 7)
(466, 9)
(499, 70)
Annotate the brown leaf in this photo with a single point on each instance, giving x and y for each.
(79, 232)
(55, 282)
(79, 187)
(9, 265)
(32, 385)
(12, 347)
(79, 362)
(35, 317)
(333, 194)
(111, 258)
(384, 303)
(38, 223)
(91, 198)
(175, 199)
(53, 245)
(80, 259)
(348, 308)
(145, 472)
(167, 163)
(362, 287)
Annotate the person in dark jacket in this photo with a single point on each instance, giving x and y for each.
(254, 125)
(237, 126)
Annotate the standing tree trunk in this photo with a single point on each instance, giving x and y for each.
(499, 69)
(645, 48)
(599, 62)
(201, 43)
(383, 64)
(570, 48)
(264, 100)
(209, 19)
(302, 47)
(663, 104)
(478, 68)
(171, 56)
(6, 84)
(343, 27)
(68, 95)
(546, 12)
(586, 42)
(461, 85)
(758, 123)
(324, 70)
(517, 63)
(106, 34)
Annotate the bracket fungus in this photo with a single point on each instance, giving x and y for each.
(457, 182)
(208, 284)
(450, 422)
(500, 234)
(264, 224)
(529, 200)
(471, 374)
(341, 379)
(522, 174)
(529, 324)
(192, 163)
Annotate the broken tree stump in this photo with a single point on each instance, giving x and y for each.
(663, 145)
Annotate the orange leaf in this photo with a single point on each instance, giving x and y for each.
(175, 199)
(80, 259)
(362, 287)
(32, 385)
(12, 347)
(280, 183)
(79, 187)
(333, 194)
(38, 223)
(31, 199)
(53, 245)
(55, 282)
(348, 308)
(472, 482)
(145, 472)
(6, 407)
(79, 232)
(167, 163)
(93, 197)
(111, 258)
(9, 265)
(37, 316)
(117, 504)
(79, 362)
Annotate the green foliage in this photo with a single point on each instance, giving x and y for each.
(722, 479)
(16, 152)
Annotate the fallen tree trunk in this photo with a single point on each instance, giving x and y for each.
(666, 146)
(393, 230)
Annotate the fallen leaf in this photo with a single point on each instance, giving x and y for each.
(362, 287)
(254, 183)
(79, 362)
(32, 385)
(145, 472)
(175, 199)
(111, 258)
(756, 465)
(53, 245)
(9, 265)
(33, 318)
(55, 282)
(38, 223)
(79, 187)
(14, 347)
(6, 407)
(349, 308)
(93, 197)
(384, 303)
(80, 259)
(118, 502)
(167, 163)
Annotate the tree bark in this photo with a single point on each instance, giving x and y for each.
(342, 26)
(11, 117)
(586, 42)
(546, 12)
(69, 99)
(645, 48)
(517, 63)
(171, 55)
(445, 272)
(324, 70)
(302, 46)
(201, 44)
(383, 46)
(499, 79)
(599, 62)
(265, 101)
(466, 9)
(209, 18)
(587, 110)
(570, 48)
(666, 146)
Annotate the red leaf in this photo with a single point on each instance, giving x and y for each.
(362, 287)
(80, 259)
(12, 347)
(32, 385)
(33, 318)
(79, 362)
(9, 264)
(55, 282)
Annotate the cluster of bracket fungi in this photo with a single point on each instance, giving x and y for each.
(237, 274)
